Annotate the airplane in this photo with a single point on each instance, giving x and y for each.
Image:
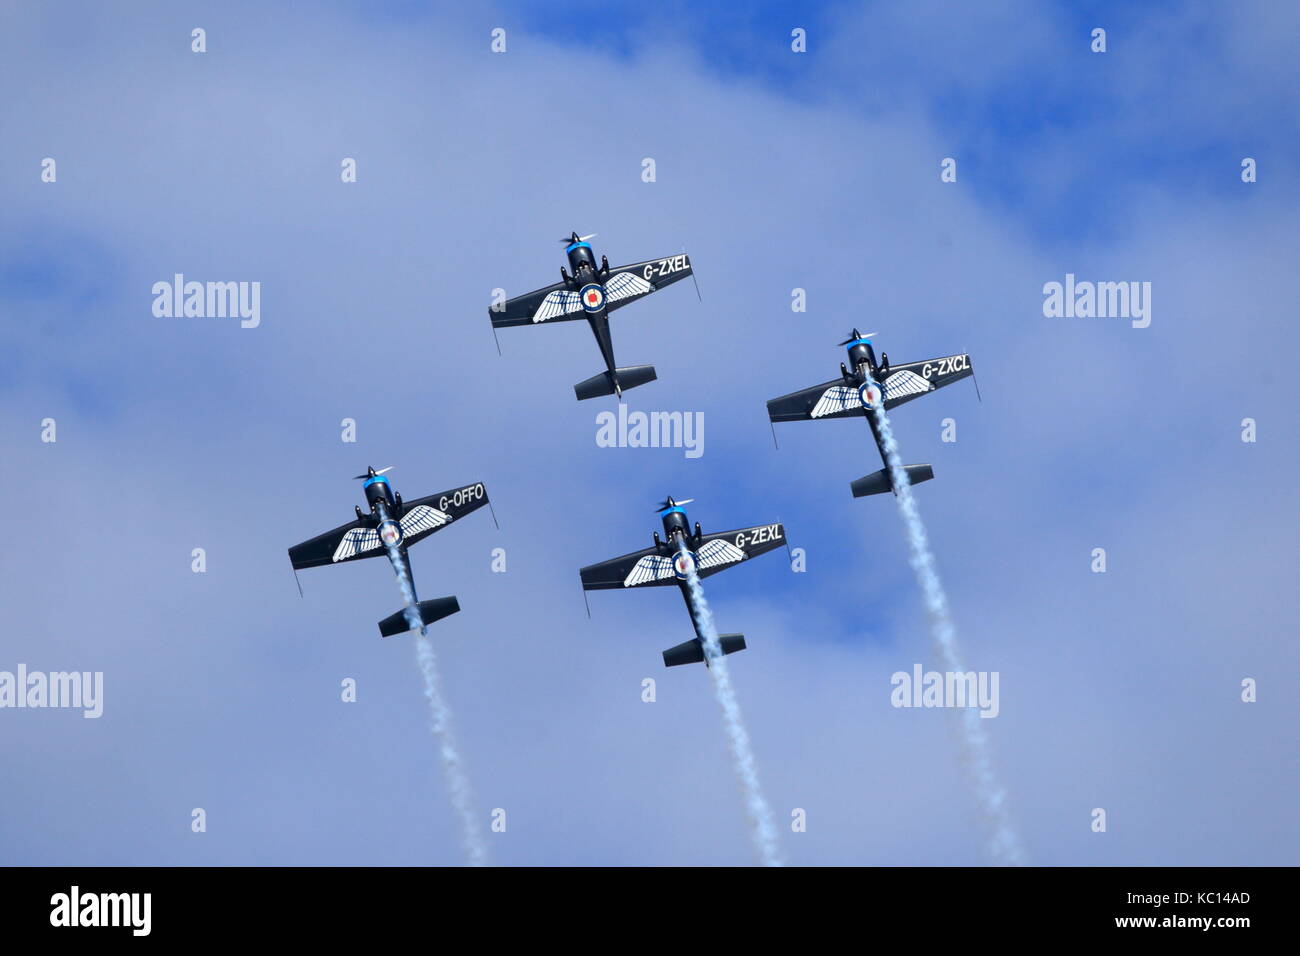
(858, 390)
(392, 526)
(591, 293)
(670, 561)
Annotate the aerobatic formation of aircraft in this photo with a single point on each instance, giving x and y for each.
(591, 293)
(670, 562)
(390, 527)
(860, 388)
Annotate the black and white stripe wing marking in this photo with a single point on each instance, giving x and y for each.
(559, 302)
(839, 398)
(903, 383)
(718, 552)
(423, 518)
(356, 542)
(653, 567)
(626, 285)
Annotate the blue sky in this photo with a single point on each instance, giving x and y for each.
(817, 171)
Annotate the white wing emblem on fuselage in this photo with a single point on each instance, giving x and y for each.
(653, 567)
(357, 541)
(559, 302)
(719, 552)
(626, 285)
(903, 383)
(423, 518)
(838, 398)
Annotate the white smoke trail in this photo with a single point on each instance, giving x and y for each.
(742, 753)
(462, 795)
(412, 611)
(1004, 842)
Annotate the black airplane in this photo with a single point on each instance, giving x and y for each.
(591, 293)
(390, 528)
(858, 390)
(670, 562)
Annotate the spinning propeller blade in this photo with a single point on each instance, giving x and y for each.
(670, 503)
(855, 335)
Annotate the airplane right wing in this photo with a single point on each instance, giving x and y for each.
(628, 283)
(834, 399)
(721, 550)
(647, 568)
(555, 303)
(423, 516)
(914, 379)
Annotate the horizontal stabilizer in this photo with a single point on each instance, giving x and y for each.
(878, 482)
(603, 384)
(692, 651)
(430, 611)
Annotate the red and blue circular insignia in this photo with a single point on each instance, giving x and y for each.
(390, 533)
(870, 394)
(593, 297)
(684, 564)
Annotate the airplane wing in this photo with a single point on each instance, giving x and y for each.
(423, 516)
(555, 303)
(349, 542)
(629, 283)
(914, 379)
(652, 567)
(836, 399)
(720, 551)
(645, 568)
(832, 399)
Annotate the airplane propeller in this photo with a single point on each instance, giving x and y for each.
(855, 335)
(577, 238)
(670, 503)
(370, 473)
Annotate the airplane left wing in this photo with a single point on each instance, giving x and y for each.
(834, 399)
(722, 550)
(555, 303)
(646, 568)
(913, 379)
(349, 542)
(629, 283)
(423, 516)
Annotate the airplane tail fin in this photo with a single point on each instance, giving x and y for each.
(878, 482)
(604, 384)
(430, 611)
(692, 651)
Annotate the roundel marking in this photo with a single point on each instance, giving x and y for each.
(869, 394)
(390, 533)
(593, 297)
(684, 564)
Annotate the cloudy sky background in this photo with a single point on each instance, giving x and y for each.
(819, 171)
